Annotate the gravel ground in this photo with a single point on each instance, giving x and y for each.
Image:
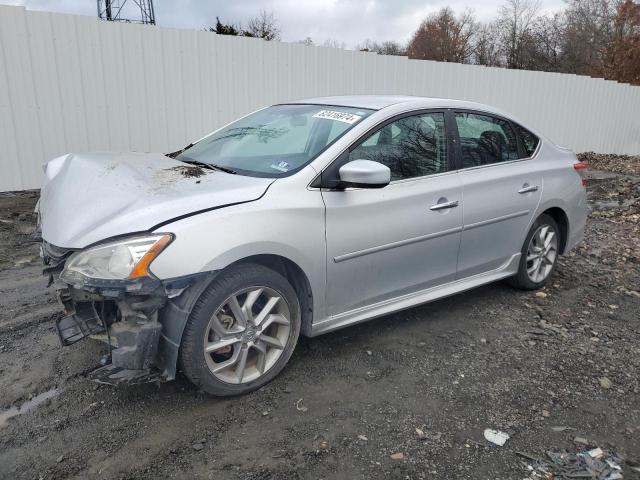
(405, 396)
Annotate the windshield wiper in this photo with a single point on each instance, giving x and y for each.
(210, 166)
(223, 169)
(178, 152)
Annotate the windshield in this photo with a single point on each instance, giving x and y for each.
(276, 141)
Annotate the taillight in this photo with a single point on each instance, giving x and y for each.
(581, 167)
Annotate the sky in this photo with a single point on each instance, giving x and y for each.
(348, 21)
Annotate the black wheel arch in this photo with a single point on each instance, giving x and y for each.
(175, 314)
(562, 220)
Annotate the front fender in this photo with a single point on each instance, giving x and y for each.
(282, 224)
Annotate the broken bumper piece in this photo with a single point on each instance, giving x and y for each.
(84, 321)
(124, 316)
(141, 320)
(112, 375)
(137, 344)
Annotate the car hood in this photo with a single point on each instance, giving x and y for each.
(86, 198)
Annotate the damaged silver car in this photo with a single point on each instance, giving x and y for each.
(299, 218)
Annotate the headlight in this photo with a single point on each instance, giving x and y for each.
(128, 258)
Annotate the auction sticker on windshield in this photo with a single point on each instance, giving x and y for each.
(345, 117)
(282, 166)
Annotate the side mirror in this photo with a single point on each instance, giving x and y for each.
(364, 174)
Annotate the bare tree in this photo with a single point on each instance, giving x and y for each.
(589, 29)
(264, 26)
(443, 36)
(333, 43)
(391, 48)
(546, 49)
(308, 42)
(486, 47)
(515, 21)
(388, 47)
(224, 29)
(367, 46)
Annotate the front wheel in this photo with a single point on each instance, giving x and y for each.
(241, 332)
(539, 255)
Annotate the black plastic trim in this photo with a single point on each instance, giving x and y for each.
(332, 105)
(521, 141)
(361, 185)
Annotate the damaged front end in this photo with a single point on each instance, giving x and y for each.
(109, 294)
(125, 316)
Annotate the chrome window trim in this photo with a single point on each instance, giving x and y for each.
(394, 182)
(423, 177)
(508, 162)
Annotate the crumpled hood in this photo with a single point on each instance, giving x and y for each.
(89, 197)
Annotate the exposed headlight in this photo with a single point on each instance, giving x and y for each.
(128, 258)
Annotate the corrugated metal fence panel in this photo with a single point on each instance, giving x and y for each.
(71, 83)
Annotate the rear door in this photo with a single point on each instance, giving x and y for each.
(386, 242)
(501, 191)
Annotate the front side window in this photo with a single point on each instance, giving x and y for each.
(485, 140)
(412, 146)
(276, 141)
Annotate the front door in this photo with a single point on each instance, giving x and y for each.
(387, 242)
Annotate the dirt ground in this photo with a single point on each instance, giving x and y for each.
(407, 396)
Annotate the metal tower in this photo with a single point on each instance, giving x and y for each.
(132, 11)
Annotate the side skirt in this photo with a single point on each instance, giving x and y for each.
(362, 314)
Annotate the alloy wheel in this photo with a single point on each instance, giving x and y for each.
(542, 253)
(247, 334)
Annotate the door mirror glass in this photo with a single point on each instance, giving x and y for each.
(364, 174)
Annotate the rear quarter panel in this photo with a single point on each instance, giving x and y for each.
(562, 188)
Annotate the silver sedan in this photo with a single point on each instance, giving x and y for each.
(302, 217)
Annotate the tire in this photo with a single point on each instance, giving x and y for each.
(524, 280)
(256, 289)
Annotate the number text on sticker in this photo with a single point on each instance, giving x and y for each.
(349, 118)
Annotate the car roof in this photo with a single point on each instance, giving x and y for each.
(373, 102)
(378, 102)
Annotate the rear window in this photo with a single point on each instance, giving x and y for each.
(529, 140)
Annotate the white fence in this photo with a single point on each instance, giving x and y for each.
(72, 83)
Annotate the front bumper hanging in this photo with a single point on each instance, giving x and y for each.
(128, 321)
(141, 320)
(84, 321)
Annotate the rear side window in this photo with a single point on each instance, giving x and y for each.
(529, 140)
(485, 139)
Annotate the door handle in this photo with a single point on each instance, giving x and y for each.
(443, 205)
(526, 188)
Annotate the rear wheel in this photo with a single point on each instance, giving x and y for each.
(539, 255)
(242, 331)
